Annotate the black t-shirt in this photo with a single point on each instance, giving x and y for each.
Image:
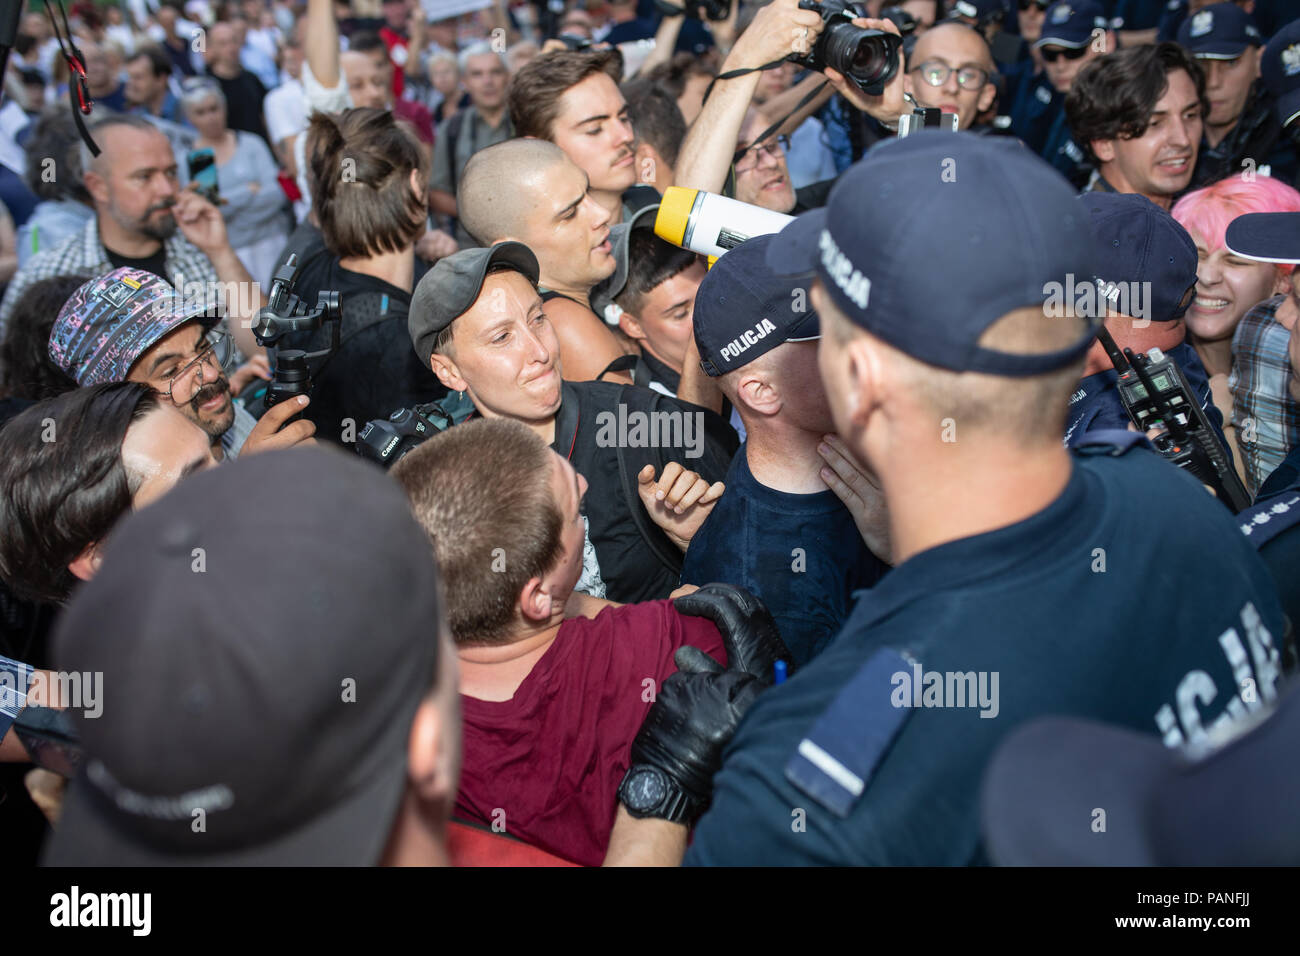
(594, 420)
(244, 95)
(1132, 599)
(316, 262)
(375, 372)
(156, 263)
(801, 555)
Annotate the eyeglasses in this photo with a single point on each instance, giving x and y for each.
(1042, 5)
(936, 73)
(1052, 54)
(774, 149)
(182, 387)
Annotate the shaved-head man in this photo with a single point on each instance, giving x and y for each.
(529, 191)
(951, 68)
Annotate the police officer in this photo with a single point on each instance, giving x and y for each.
(1147, 263)
(1241, 132)
(1029, 580)
(1075, 32)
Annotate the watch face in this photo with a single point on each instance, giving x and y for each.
(645, 790)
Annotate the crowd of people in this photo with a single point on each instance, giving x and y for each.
(409, 499)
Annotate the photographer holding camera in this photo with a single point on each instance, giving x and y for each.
(726, 138)
(368, 183)
(131, 325)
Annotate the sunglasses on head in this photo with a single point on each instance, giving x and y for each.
(1051, 55)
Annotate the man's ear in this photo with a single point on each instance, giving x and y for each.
(417, 187)
(632, 328)
(535, 602)
(447, 372)
(86, 565)
(1281, 283)
(986, 97)
(96, 185)
(1103, 149)
(759, 394)
(425, 761)
(866, 371)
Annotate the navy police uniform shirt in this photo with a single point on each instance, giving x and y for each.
(1108, 605)
(1272, 525)
(801, 554)
(1096, 405)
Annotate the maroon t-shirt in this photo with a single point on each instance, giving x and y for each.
(418, 116)
(553, 755)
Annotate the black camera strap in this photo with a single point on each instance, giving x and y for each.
(730, 188)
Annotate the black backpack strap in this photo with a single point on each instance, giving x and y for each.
(641, 374)
(453, 135)
(631, 461)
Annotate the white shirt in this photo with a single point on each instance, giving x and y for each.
(285, 108)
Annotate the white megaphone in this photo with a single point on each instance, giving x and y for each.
(711, 224)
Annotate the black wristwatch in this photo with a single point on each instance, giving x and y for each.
(649, 792)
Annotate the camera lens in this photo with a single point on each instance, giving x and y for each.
(868, 57)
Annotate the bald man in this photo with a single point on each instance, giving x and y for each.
(529, 191)
(951, 68)
(244, 91)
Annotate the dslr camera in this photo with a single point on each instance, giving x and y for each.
(388, 441)
(867, 57)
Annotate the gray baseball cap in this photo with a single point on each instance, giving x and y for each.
(450, 288)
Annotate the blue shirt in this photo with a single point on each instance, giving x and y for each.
(1131, 599)
(801, 554)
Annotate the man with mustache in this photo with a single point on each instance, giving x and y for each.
(130, 325)
(572, 99)
(143, 220)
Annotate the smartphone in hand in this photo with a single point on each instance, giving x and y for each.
(203, 172)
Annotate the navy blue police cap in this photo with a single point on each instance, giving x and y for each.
(743, 310)
(1142, 252)
(1219, 32)
(1279, 70)
(1069, 23)
(1265, 237)
(927, 241)
(1229, 801)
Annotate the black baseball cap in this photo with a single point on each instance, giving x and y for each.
(1135, 241)
(450, 288)
(1069, 23)
(1279, 71)
(1229, 801)
(1219, 32)
(929, 240)
(273, 690)
(743, 310)
(1265, 236)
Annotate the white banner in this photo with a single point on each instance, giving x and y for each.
(444, 9)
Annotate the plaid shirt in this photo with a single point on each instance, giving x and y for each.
(1262, 406)
(84, 254)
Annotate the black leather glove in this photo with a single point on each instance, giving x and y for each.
(749, 634)
(693, 718)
